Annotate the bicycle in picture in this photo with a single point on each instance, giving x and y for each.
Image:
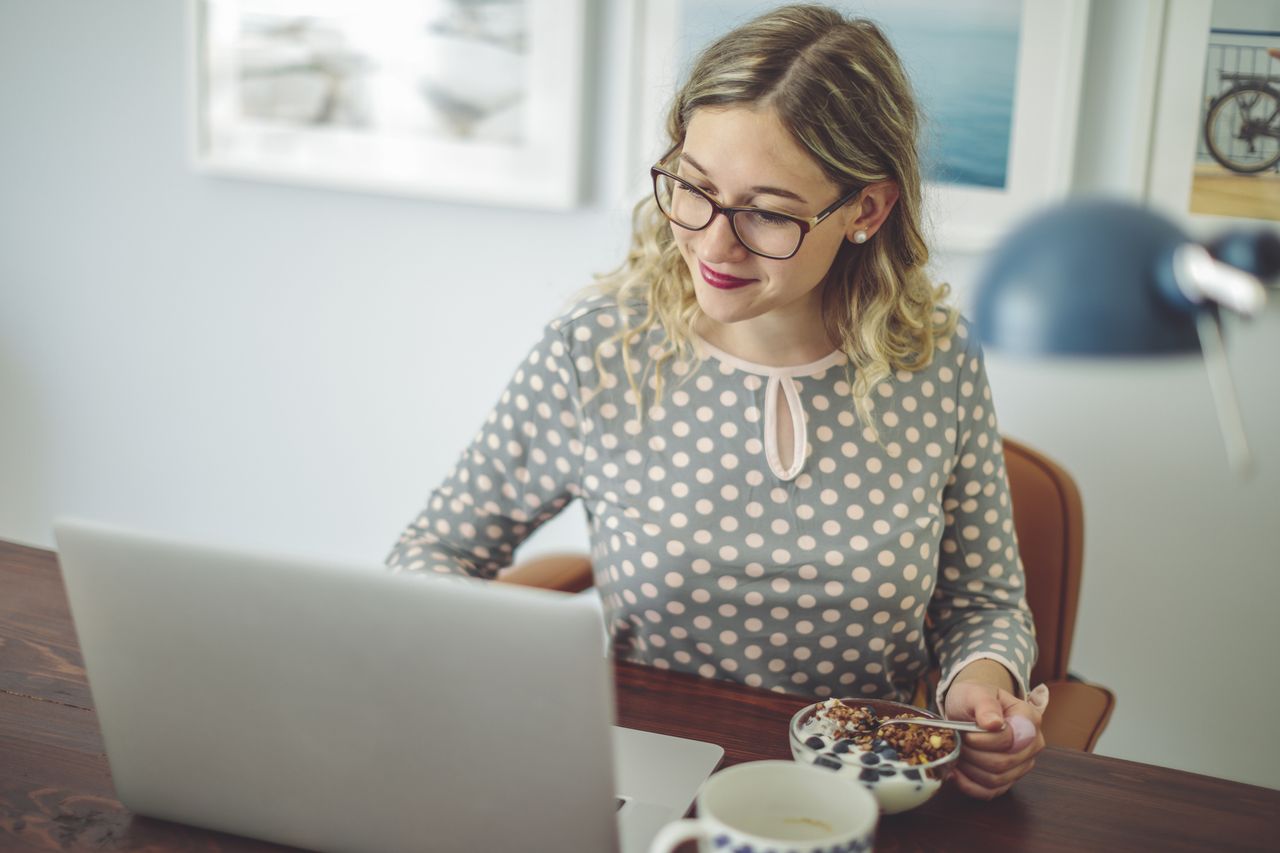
(1242, 124)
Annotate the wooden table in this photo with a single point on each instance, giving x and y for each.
(56, 792)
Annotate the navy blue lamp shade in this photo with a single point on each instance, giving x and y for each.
(1087, 278)
(1106, 278)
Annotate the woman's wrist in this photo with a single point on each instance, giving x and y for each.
(989, 672)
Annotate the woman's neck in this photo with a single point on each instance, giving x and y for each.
(770, 339)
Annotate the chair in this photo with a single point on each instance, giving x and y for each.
(1049, 519)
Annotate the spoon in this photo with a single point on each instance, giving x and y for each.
(956, 725)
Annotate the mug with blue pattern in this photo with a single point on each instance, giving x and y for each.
(777, 807)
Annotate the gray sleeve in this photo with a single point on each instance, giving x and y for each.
(979, 609)
(521, 469)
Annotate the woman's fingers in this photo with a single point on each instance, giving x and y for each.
(997, 760)
(992, 781)
(971, 788)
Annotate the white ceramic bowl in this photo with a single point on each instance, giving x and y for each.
(897, 786)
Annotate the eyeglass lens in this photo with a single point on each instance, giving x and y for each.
(760, 231)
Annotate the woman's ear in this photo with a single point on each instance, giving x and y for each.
(871, 209)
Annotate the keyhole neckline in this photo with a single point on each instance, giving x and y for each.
(832, 359)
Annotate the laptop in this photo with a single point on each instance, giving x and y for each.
(346, 708)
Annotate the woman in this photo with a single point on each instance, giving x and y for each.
(783, 441)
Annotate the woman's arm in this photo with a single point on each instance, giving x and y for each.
(978, 610)
(982, 629)
(520, 470)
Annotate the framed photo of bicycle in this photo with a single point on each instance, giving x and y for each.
(1215, 153)
(998, 81)
(446, 99)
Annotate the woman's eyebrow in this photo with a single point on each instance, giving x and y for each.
(756, 190)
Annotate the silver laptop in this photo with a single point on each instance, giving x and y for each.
(345, 708)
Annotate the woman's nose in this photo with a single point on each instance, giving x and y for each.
(719, 243)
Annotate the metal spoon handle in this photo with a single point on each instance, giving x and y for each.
(957, 725)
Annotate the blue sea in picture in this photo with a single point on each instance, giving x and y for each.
(962, 57)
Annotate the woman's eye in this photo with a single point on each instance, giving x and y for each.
(764, 217)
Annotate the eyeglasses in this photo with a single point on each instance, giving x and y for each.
(763, 232)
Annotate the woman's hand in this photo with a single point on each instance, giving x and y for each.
(991, 762)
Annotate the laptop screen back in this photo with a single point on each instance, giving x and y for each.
(338, 707)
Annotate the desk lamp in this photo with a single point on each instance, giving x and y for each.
(1106, 278)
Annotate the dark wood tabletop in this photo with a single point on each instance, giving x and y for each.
(56, 792)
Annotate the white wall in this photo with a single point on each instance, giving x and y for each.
(294, 369)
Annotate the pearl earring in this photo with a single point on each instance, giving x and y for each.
(859, 236)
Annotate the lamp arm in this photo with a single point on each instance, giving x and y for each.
(1200, 278)
(1224, 393)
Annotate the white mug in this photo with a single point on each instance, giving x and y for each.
(779, 806)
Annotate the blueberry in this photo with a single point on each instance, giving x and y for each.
(829, 761)
(842, 745)
(869, 758)
(889, 753)
(815, 742)
(888, 771)
(878, 744)
(869, 775)
(912, 774)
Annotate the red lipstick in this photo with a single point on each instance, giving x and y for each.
(720, 280)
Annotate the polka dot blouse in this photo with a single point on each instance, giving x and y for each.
(844, 567)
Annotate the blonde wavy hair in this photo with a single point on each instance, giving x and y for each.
(838, 87)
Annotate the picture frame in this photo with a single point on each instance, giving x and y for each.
(438, 99)
(1049, 68)
(1177, 122)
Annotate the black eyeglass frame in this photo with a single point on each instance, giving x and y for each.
(806, 225)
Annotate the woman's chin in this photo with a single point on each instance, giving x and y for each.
(724, 306)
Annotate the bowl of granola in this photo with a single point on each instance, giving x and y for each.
(902, 765)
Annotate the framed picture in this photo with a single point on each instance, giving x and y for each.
(998, 81)
(1215, 149)
(446, 99)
